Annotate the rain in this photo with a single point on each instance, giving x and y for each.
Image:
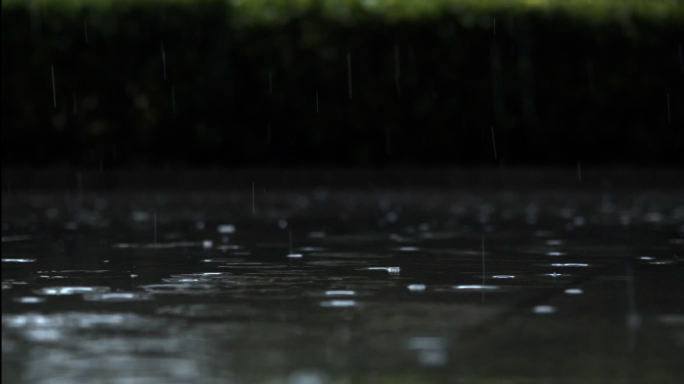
(393, 242)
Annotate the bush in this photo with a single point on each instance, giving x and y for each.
(267, 81)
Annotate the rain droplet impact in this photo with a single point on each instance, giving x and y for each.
(56, 291)
(544, 309)
(475, 287)
(339, 303)
(416, 287)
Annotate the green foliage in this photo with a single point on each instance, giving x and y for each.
(216, 101)
(252, 12)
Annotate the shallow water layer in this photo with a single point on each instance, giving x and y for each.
(343, 286)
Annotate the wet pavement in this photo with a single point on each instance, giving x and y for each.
(343, 285)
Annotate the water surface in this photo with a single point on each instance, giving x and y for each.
(343, 286)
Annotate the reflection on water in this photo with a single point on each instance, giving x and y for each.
(343, 287)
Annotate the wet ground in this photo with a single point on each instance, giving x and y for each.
(343, 285)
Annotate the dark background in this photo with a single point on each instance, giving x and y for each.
(555, 90)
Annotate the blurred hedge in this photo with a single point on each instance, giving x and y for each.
(182, 81)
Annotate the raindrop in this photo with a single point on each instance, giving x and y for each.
(6, 239)
(140, 216)
(574, 291)
(653, 217)
(54, 91)
(579, 171)
(388, 142)
(339, 303)
(29, 300)
(569, 265)
(390, 270)
(155, 229)
(426, 343)
(226, 228)
(56, 291)
(483, 266)
(282, 223)
(340, 293)
(114, 297)
(544, 309)
(408, 249)
(307, 377)
(590, 75)
(416, 287)
(173, 99)
(475, 287)
(18, 260)
(397, 69)
(163, 53)
(668, 108)
(349, 74)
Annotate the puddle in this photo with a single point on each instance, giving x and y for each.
(413, 286)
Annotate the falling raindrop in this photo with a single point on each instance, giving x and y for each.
(290, 239)
(270, 82)
(79, 180)
(226, 228)
(173, 99)
(544, 309)
(526, 73)
(574, 291)
(397, 69)
(54, 91)
(497, 79)
(483, 266)
(163, 53)
(349, 74)
(579, 171)
(668, 108)
(590, 75)
(494, 142)
(388, 142)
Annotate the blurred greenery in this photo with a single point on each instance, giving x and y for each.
(188, 81)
